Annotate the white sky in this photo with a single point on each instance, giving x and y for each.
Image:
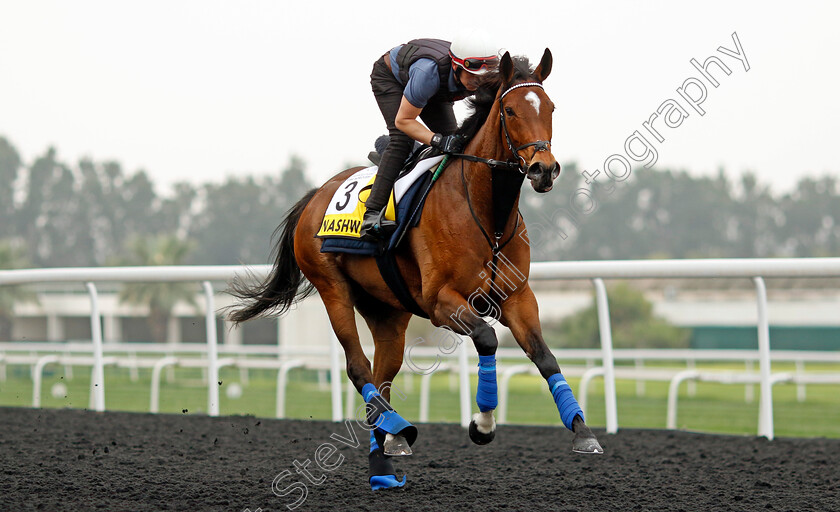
(198, 90)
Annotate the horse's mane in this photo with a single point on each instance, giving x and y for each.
(482, 102)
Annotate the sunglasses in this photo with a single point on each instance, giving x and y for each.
(476, 63)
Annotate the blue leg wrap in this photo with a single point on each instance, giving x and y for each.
(369, 391)
(378, 482)
(567, 405)
(487, 396)
(381, 463)
(390, 421)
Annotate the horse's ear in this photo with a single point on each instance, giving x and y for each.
(506, 68)
(544, 68)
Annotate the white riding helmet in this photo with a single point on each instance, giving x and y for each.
(472, 51)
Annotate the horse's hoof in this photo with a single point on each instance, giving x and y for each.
(480, 437)
(396, 446)
(586, 445)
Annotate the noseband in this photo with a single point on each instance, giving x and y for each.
(540, 145)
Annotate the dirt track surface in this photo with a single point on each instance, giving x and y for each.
(79, 460)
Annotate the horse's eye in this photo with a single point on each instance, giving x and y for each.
(509, 111)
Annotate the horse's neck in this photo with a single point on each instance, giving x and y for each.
(488, 143)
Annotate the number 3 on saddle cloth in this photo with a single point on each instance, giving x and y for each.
(343, 218)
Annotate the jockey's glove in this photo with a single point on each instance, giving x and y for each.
(448, 143)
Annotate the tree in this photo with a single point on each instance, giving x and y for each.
(175, 213)
(52, 220)
(811, 218)
(632, 320)
(160, 298)
(293, 182)
(241, 214)
(9, 166)
(10, 259)
(552, 226)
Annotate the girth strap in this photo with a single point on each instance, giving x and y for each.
(387, 264)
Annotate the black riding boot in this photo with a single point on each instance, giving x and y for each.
(374, 226)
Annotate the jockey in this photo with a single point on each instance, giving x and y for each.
(421, 78)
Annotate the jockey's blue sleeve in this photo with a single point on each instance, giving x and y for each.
(423, 82)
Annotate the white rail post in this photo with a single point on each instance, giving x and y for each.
(133, 372)
(691, 387)
(464, 371)
(335, 378)
(154, 395)
(212, 351)
(583, 387)
(640, 383)
(673, 394)
(504, 389)
(282, 380)
(607, 355)
(765, 420)
(97, 384)
(800, 387)
(425, 385)
(37, 377)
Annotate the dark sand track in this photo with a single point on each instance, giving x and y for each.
(79, 460)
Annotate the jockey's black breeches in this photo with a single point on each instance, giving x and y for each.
(438, 116)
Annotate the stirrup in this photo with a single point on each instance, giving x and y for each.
(374, 227)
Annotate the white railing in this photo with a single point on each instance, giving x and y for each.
(157, 357)
(90, 276)
(756, 269)
(596, 271)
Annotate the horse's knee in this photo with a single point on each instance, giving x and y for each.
(485, 339)
(544, 360)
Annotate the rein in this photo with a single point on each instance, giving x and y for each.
(506, 184)
(495, 247)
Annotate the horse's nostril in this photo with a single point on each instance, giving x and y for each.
(536, 169)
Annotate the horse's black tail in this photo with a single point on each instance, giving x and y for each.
(285, 285)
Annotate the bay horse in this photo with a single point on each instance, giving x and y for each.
(442, 261)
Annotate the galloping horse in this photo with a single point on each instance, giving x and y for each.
(443, 262)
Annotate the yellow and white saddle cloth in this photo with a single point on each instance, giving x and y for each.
(343, 217)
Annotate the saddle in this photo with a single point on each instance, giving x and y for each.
(343, 217)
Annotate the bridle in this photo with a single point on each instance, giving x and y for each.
(519, 163)
(540, 145)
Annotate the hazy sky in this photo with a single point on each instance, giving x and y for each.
(199, 90)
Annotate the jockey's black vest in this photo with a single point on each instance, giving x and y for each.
(436, 50)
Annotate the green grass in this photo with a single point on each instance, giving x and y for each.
(715, 407)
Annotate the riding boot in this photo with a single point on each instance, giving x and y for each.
(374, 226)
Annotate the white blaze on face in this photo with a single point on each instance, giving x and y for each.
(534, 100)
